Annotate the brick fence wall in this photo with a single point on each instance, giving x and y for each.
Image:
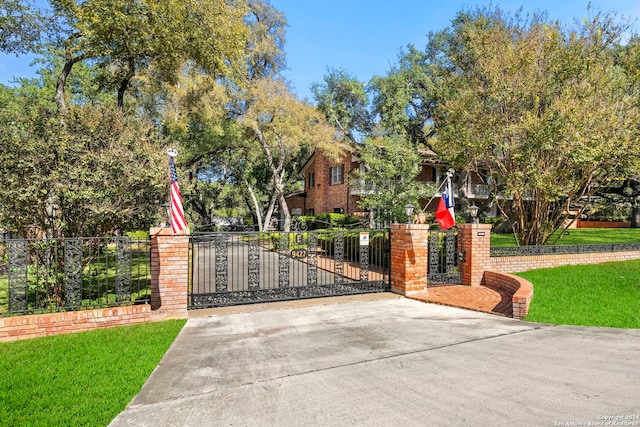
(516, 264)
(169, 285)
(409, 255)
(42, 325)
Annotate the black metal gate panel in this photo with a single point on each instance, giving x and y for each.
(231, 268)
(443, 258)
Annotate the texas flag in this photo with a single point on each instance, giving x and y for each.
(444, 212)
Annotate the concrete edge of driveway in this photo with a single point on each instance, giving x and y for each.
(279, 305)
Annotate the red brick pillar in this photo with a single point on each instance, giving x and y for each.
(409, 257)
(169, 274)
(474, 241)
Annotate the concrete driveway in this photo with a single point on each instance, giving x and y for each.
(383, 360)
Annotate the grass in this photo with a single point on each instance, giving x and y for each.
(605, 294)
(579, 236)
(83, 379)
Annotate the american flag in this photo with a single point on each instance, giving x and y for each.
(178, 223)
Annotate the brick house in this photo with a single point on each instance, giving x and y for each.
(331, 186)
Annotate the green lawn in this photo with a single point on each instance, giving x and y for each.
(605, 294)
(83, 379)
(579, 236)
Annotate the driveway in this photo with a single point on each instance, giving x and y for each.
(384, 360)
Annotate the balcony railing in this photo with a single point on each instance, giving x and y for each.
(477, 191)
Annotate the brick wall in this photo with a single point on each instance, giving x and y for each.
(474, 241)
(296, 203)
(515, 264)
(42, 325)
(169, 274)
(602, 224)
(322, 196)
(169, 286)
(520, 289)
(409, 258)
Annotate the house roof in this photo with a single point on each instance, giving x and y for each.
(297, 193)
(427, 155)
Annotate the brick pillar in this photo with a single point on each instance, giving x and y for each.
(474, 240)
(409, 257)
(169, 274)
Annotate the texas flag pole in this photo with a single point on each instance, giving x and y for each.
(176, 211)
(445, 214)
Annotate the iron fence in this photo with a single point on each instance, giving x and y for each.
(443, 258)
(244, 267)
(48, 275)
(500, 251)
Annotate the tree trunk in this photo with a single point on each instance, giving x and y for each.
(269, 213)
(60, 86)
(69, 62)
(124, 84)
(256, 205)
(635, 214)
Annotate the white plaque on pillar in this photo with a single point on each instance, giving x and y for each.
(364, 238)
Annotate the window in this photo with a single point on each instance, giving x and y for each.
(296, 211)
(337, 175)
(310, 212)
(338, 210)
(311, 180)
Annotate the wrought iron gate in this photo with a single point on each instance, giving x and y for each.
(247, 267)
(443, 258)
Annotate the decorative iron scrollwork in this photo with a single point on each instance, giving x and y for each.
(312, 259)
(123, 269)
(283, 260)
(313, 275)
(254, 263)
(364, 262)
(18, 260)
(338, 246)
(73, 272)
(443, 258)
(221, 247)
(562, 249)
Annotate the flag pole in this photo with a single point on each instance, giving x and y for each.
(176, 212)
(439, 190)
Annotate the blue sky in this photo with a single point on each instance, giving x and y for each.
(364, 37)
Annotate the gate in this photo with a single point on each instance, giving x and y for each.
(443, 258)
(230, 268)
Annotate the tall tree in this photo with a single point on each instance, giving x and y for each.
(281, 126)
(99, 174)
(344, 102)
(392, 164)
(127, 37)
(405, 98)
(546, 112)
(209, 117)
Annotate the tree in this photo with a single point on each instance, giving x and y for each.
(21, 28)
(343, 100)
(281, 126)
(100, 174)
(247, 129)
(545, 114)
(405, 98)
(392, 164)
(127, 37)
